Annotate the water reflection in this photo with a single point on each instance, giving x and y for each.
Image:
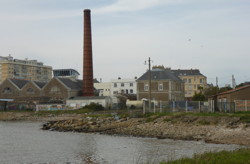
(23, 142)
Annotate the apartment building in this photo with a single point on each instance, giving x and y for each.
(193, 79)
(125, 86)
(24, 69)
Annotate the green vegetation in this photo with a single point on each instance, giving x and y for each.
(59, 112)
(241, 156)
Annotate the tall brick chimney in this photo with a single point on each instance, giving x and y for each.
(88, 86)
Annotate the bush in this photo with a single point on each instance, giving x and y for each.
(94, 106)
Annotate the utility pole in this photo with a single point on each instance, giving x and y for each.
(233, 82)
(216, 81)
(149, 82)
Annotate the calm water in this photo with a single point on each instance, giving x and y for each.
(25, 143)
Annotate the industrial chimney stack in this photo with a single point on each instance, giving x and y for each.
(88, 86)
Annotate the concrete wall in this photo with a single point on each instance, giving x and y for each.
(79, 103)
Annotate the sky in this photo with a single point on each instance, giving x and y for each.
(210, 35)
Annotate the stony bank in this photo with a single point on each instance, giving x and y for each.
(214, 129)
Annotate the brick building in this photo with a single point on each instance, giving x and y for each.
(27, 91)
(241, 93)
(165, 86)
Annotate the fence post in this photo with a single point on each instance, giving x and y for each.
(235, 105)
(199, 106)
(173, 106)
(144, 107)
(154, 105)
(160, 107)
(246, 105)
(212, 106)
(186, 106)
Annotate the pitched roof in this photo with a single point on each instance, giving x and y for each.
(19, 82)
(186, 72)
(234, 90)
(40, 84)
(160, 74)
(72, 83)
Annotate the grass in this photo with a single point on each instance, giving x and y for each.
(241, 156)
(59, 112)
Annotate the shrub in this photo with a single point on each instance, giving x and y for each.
(94, 106)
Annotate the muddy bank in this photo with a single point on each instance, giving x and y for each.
(225, 130)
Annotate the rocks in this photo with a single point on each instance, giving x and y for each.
(217, 131)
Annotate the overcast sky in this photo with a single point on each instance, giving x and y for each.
(210, 35)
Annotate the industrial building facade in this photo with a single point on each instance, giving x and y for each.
(24, 69)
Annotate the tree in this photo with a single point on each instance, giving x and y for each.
(198, 97)
(224, 89)
(211, 91)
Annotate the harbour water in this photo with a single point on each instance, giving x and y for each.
(26, 143)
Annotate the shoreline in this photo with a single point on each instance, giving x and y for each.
(218, 130)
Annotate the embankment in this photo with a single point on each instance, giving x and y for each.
(220, 129)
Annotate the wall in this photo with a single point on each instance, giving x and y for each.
(243, 94)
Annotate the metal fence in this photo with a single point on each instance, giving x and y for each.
(196, 106)
(176, 106)
(242, 105)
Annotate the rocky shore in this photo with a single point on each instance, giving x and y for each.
(225, 130)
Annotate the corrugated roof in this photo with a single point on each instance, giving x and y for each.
(160, 74)
(20, 83)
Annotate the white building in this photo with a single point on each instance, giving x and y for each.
(104, 88)
(126, 86)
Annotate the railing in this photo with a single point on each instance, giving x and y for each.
(197, 106)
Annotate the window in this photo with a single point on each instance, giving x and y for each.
(185, 80)
(201, 80)
(145, 87)
(122, 84)
(189, 80)
(115, 85)
(30, 91)
(131, 90)
(131, 84)
(55, 90)
(7, 90)
(160, 87)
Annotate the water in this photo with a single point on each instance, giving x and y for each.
(25, 143)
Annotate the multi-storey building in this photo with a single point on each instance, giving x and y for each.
(194, 81)
(24, 69)
(165, 85)
(124, 86)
